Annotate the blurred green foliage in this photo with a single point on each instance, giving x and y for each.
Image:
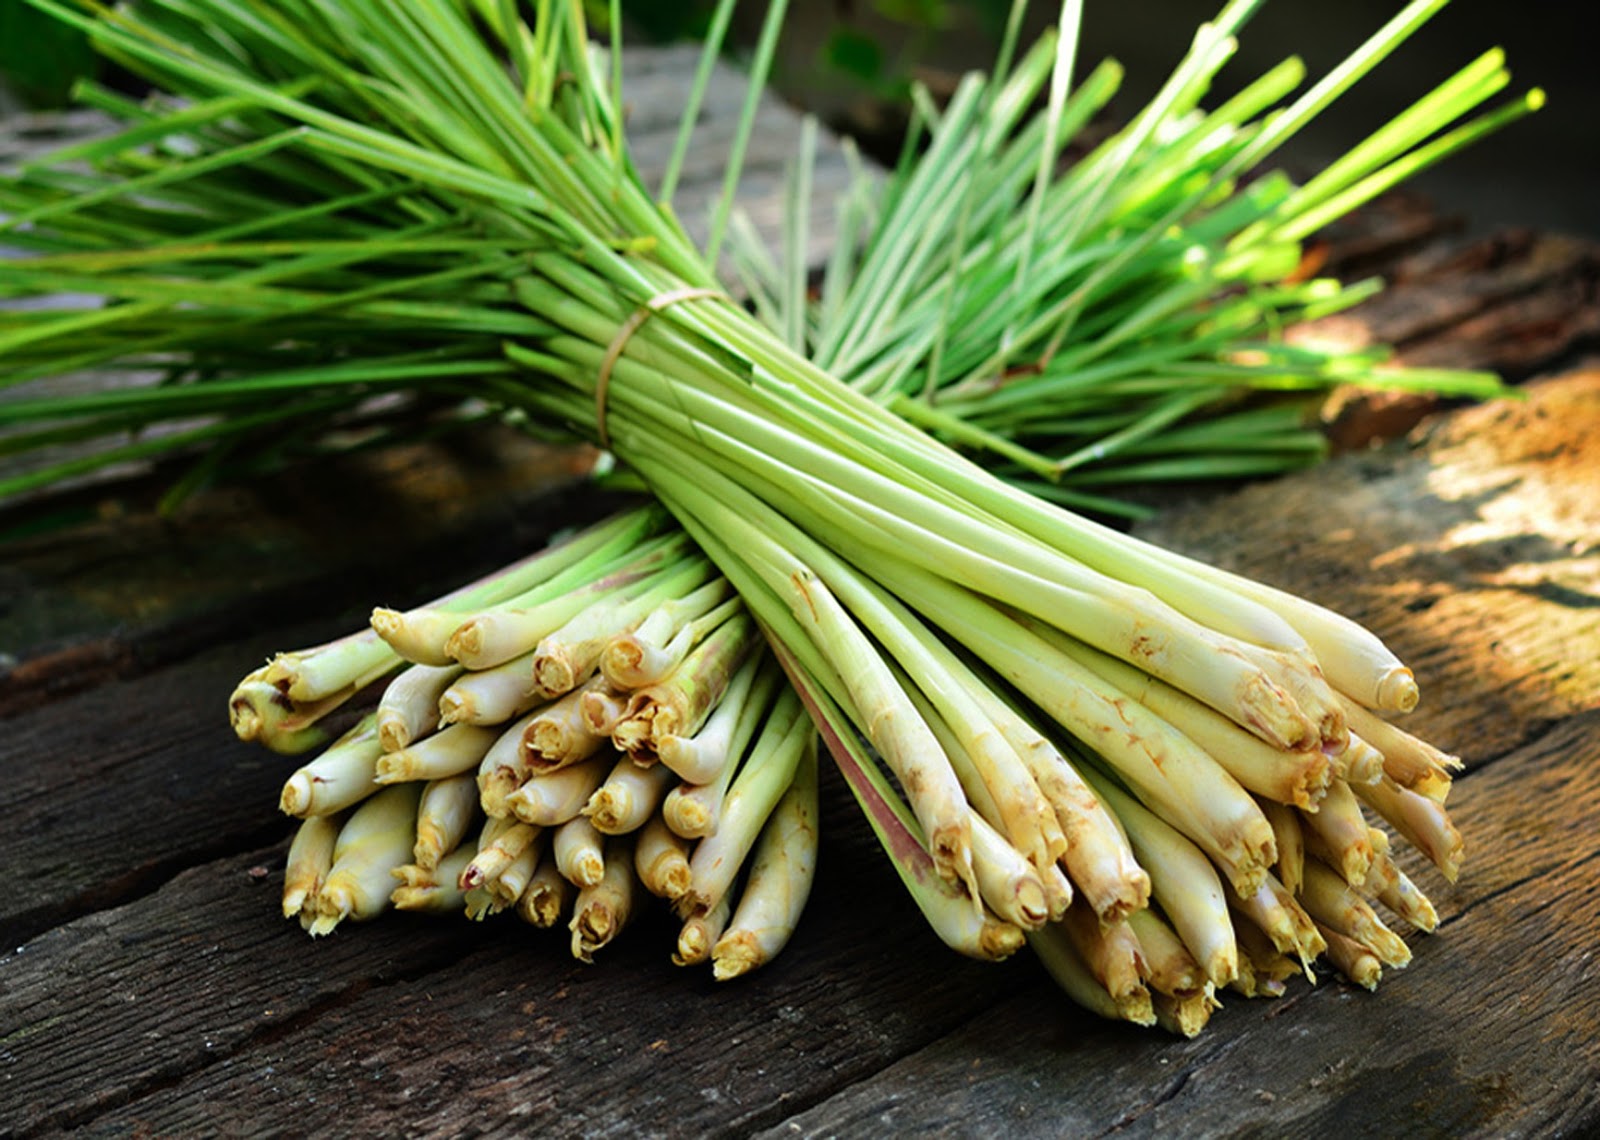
(40, 58)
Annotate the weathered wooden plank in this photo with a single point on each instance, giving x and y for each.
(128, 588)
(109, 793)
(1488, 1033)
(197, 1009)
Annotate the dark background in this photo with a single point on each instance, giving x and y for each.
(1541, 171)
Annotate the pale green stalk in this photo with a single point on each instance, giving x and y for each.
(661, 859)
(1419, 820)
(566, 657)
(559, 734)
(308, 863)
(1182, 881)
(375, 840)
(409, 707)
(579, 853)
(698, 759)
(489, 696)
(648, 653)
(448, 752)
(782, 868)
(758, 787)
(553, 798)
(1342, 831)
(603, 908)
(1330, 901)
(1290, 839)
(342, 776)
(629, 797)
(547, 896)
(433, 890)
(445, 813)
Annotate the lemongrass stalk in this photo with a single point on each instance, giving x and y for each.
(420, 634)
(665, 637)
(501, 771)
(698, 758)
(346, 665)
(507, 846)
(490, 696)
(1353, 959)
(1168, 772)
(629, 796)
(661, 859)
(986, 809)
(579, 852)
(891, 723)
(557, 797)
(1358, 762)
(602, 708)
(776, 757)
(1010, 885)
(409, 707)
(930, 539)
(485, 638)
(1098, 859)
(444, 815)
(448, 752)
(1420, 820)
(1331, 902)
(1279, 915)
(1298, 778)
(782, 869)
(560, 734)
(1265, 966)
(375, 840)
(309, 861)
(679, 704)
(417, 635)
(1343, 832)
(1169, 967)
(1112, 953)
(506, 888)
(691, 810)
(1395, 890)
(1066, 965)
(949, 910)
(1182, 880)
(547, 896)
(1246, 983)
(432, 890)
(567, 656)
(1289, 836)
(605, 906)
(1353, 659)
(1021, 810)
(260, 711)
(1183, 1016)
(700, 932)
(1408, 761)
(343, 775)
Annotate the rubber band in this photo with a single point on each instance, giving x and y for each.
(635, 321)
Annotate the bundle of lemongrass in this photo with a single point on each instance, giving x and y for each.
(597, 720)
(1120, 754)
